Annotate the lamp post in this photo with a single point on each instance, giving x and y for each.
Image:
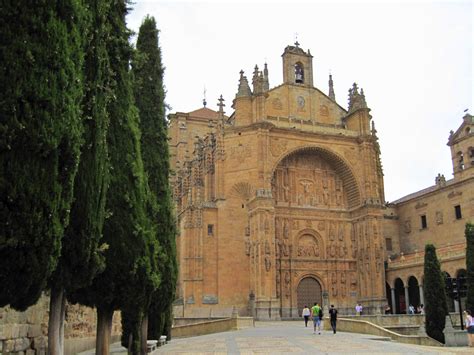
(457, 288)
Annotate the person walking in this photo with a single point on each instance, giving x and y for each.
(359, 309)
(306, 314)
(315, 312)
(333, 317)
(469, 322)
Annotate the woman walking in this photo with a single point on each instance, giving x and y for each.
(306, 314)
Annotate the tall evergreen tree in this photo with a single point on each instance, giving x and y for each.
(81, 258)
(40, 140)
(469, 233)
(128, 232)
(436, 307)
(150, 100)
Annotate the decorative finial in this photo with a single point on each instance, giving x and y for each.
(204, 102)
(221, 104)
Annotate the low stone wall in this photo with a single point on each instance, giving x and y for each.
(26, 333)
(211, 326)
(366, 327)
(178, 321)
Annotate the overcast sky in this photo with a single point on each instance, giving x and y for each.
(414, 61)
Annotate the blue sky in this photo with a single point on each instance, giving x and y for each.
(413, 59)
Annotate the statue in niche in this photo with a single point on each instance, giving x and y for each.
(266, 225)
(278, 278)
(286, 229)
(332, 231)
(332, 250)
(287, 284)
(326, 196)
(353, 282)
(285, 248)
(334, 283)
(248, 247)
(341, 232)
(277, 247)
(268, 263)
(286, 191)
(354, 251)
(338, 198)
(306, 190)
(343, 284)
(267, 247)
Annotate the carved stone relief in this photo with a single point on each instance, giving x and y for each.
(439, 217)
(278, 146)
(307, 179)
(308, 247)
(407, 225)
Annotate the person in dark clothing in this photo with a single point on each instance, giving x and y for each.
(333, 317)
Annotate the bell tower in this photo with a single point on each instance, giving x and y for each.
(297, 66)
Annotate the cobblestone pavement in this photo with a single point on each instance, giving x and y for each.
(293, 337)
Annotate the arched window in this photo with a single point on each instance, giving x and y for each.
(460, 160)
(299, 73)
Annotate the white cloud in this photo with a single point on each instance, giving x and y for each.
(414, 61)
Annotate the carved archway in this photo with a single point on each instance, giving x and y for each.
(309, 291)
(332, 182)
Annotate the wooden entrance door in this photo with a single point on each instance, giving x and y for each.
(308, 292)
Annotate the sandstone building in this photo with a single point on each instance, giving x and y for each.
(281, 203)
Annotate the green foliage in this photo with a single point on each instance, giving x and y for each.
(40, 140)
(469, 233)
(436, 307)
(150, 95)
(81, 258)
(128, 232)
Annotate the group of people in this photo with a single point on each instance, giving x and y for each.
(316, 314)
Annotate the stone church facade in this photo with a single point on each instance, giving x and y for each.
(281, 204)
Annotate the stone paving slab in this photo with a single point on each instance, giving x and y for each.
(292, 337)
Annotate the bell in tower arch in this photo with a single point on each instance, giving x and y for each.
(299, 73)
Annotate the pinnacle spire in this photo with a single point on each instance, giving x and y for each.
(204, 102)
(331, 94)
(244, 88)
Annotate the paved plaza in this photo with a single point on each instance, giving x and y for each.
(293, 337)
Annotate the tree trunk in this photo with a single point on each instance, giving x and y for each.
(57, 303)
(144, 337)
(104, 328)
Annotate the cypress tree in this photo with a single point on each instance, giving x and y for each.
(40, 140)
(131, 252)
(81, 258)
(469, 233)
(150, 100)
(436, 307)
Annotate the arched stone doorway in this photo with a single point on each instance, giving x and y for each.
(309, 291)
(400, 305)
(414, 292)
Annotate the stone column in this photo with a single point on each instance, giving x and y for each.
(422, 297)
(394, 305)
(407, 299)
